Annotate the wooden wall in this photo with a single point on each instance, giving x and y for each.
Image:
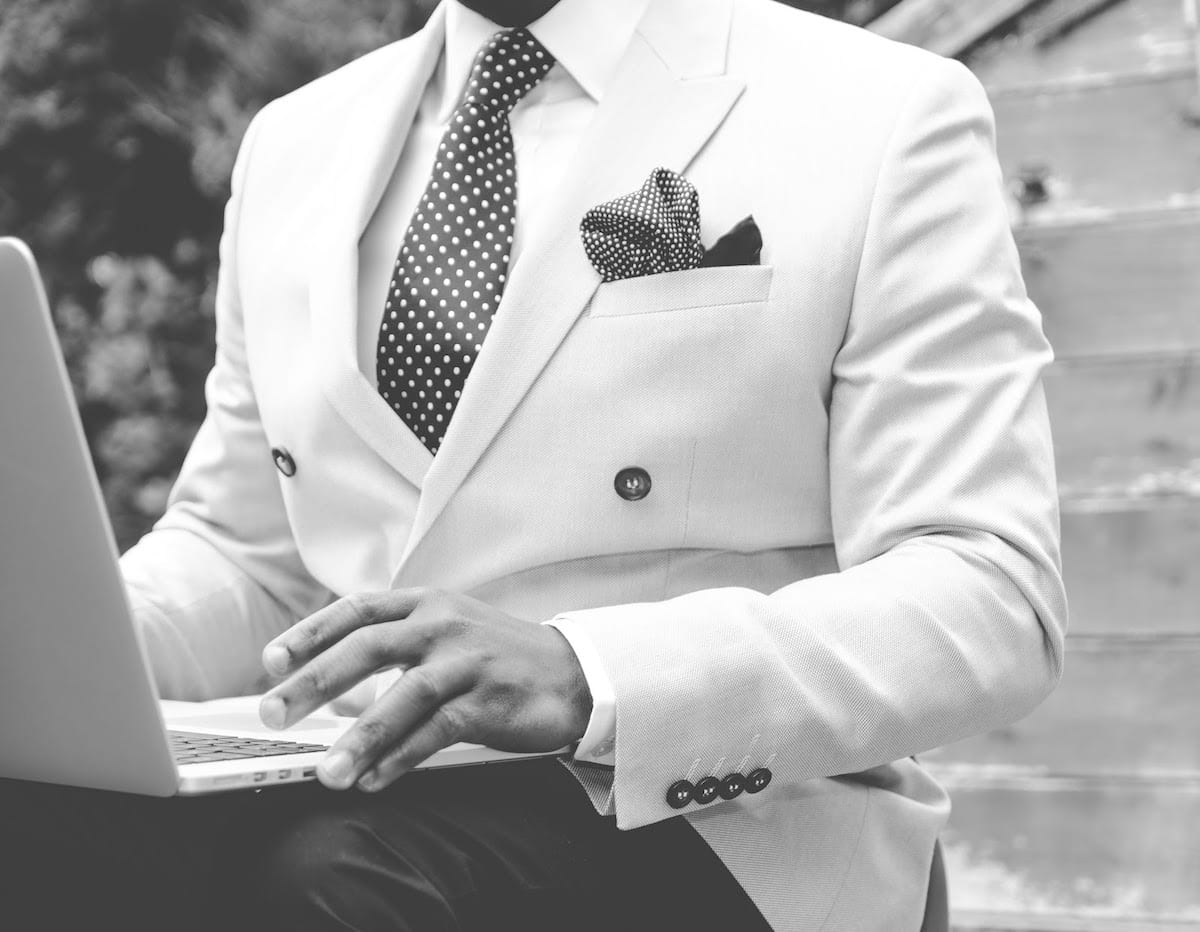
(1086, 815)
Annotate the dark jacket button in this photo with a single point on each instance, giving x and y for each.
(758, 779)
(632, 483)
(679, 794)
(732, 786)
(707, 790)
(283, 461)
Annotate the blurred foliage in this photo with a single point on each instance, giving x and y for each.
(121, 119)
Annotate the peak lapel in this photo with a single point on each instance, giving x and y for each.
(371, 142)
(669, 95)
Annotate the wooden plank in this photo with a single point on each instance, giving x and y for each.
(948, 27)
(1123, 706)
(1125, 852)
(1111, 145)
(1130, 284)
(955, 777)
(1126, 427)
(1132, 36)
(979, 921)
(1134, 569)
(1068, 18)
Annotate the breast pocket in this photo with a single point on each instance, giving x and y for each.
(668, 292)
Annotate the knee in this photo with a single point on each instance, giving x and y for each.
(331, 871)
(304, 870)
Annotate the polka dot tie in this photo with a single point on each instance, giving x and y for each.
(655, 229)
(454, 260)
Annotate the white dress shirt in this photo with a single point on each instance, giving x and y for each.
(587, 40)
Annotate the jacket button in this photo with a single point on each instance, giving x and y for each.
(632, 483)
(707, 790)
(758, 780)
(679, 794)
(732, 786)
(283, 461)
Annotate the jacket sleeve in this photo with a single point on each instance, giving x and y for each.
(220, 575)
(948, 614)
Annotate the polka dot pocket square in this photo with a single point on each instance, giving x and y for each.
(656, 229)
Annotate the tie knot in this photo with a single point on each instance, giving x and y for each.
(508, 65)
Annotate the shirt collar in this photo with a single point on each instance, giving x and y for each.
(587, 38)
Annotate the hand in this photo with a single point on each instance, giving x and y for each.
(472, 674)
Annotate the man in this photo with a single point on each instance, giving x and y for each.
(786, 503)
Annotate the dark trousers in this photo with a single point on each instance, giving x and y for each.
(505, 846)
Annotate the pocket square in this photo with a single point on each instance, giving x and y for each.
(656, 229)
(740, 246)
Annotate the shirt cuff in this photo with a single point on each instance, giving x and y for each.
(598, 744)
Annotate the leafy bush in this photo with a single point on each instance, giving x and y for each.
(121, 120)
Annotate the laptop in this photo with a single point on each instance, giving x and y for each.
(78, 705)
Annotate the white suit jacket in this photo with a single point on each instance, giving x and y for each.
(849, 554)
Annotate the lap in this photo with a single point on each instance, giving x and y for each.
(517, 844)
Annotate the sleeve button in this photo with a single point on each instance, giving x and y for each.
(679, 794)
(732, 786)
(707, 790)
(758, 779)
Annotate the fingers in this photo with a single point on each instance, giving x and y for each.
(443, 728)
(420, 701)
(310, 637)
(359, 654)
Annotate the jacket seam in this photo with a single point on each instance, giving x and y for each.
(862, 825)
(885, 159)
(244, 157)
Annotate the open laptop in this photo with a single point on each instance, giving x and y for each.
(78, 704)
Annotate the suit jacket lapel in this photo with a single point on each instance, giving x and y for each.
(668, 97)
(372, 138)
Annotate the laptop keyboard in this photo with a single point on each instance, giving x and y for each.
(189, 747)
